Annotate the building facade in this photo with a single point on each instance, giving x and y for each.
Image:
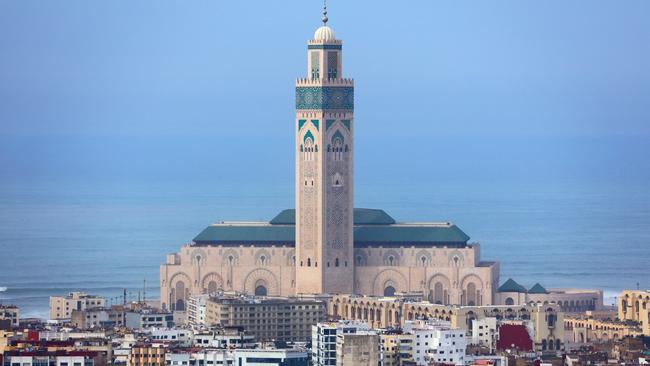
(570, 300)
(358, 349)
(326, 245)
(11, 314)
(324, 339)
(61, 307)
(284, 319)
(545, 322)
(634, 305)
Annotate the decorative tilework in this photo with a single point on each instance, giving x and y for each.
(339, 135)
(326, 97)
(308, 135)
(329, 123)
(301, 122)
(315, 123)
(346, 123)
(324, 47)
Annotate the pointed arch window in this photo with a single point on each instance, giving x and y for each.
(338, 146)
(309, 149)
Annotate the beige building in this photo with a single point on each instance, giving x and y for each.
(358, 349)
(325, 245)
(285, 319)
(11, 314)
(569, 300)
(396, 348)
(634, 305)
(61, 307)
(585, 329)
(545, 322)
(147, 355)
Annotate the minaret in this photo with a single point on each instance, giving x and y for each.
(324, 147)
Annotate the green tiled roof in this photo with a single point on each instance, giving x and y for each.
(537, 289)
(249, 233)
(511, 286)
(371, 226)
(409, 234)
(362, 216)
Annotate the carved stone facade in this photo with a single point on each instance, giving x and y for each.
(325, 245)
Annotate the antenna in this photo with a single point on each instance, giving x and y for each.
(144, 291)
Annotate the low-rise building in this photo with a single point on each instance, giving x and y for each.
(282, 319)
(437, 342)
(148, 318)
(545, 322)
(224, 337)
(147, 355)
(634, 305)
(396, 347)
(570, 300)
(358, 349)
(49, 358)
(10, 314)
(484, 333)
(196, 308)
(180, 337)
(61, 307)
(270, 357)
(323, 339)
(243, 357)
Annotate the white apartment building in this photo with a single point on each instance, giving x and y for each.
(323, 339)
(485, 332)
(270, 357)
(436, 342)
(149, 318)
(224, 338)
(196, 309)
(238, 357)
(183, 337)
(61, 307)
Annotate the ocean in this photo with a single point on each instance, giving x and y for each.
(103, 237)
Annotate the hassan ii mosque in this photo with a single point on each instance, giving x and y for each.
(326, 245)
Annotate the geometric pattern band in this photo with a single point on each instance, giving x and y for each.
(325, 97)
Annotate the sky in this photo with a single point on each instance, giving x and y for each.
(197, 89)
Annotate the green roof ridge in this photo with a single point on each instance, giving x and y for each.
(537, 289)
(511, 286)
(362, 216)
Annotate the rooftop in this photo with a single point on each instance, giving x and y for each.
(371, 226)
(511, 286)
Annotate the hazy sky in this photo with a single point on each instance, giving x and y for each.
(93, 85)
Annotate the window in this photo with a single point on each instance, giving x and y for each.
(315, 65)
(332, 65)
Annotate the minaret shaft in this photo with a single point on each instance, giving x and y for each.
(324, 171)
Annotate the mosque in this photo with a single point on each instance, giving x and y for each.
(326, 245)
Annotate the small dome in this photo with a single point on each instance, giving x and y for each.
(324, 33)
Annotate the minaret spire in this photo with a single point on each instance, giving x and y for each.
(324, 17)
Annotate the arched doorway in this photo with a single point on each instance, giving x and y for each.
(179, 305)
(510, 301)
(212, 287)
(389, 291)
(260, 290)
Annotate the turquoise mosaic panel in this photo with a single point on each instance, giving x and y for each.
(315, 123)
(301, 122)
(346, 123)
(324, 47)
(326, 97)
(329, 123)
